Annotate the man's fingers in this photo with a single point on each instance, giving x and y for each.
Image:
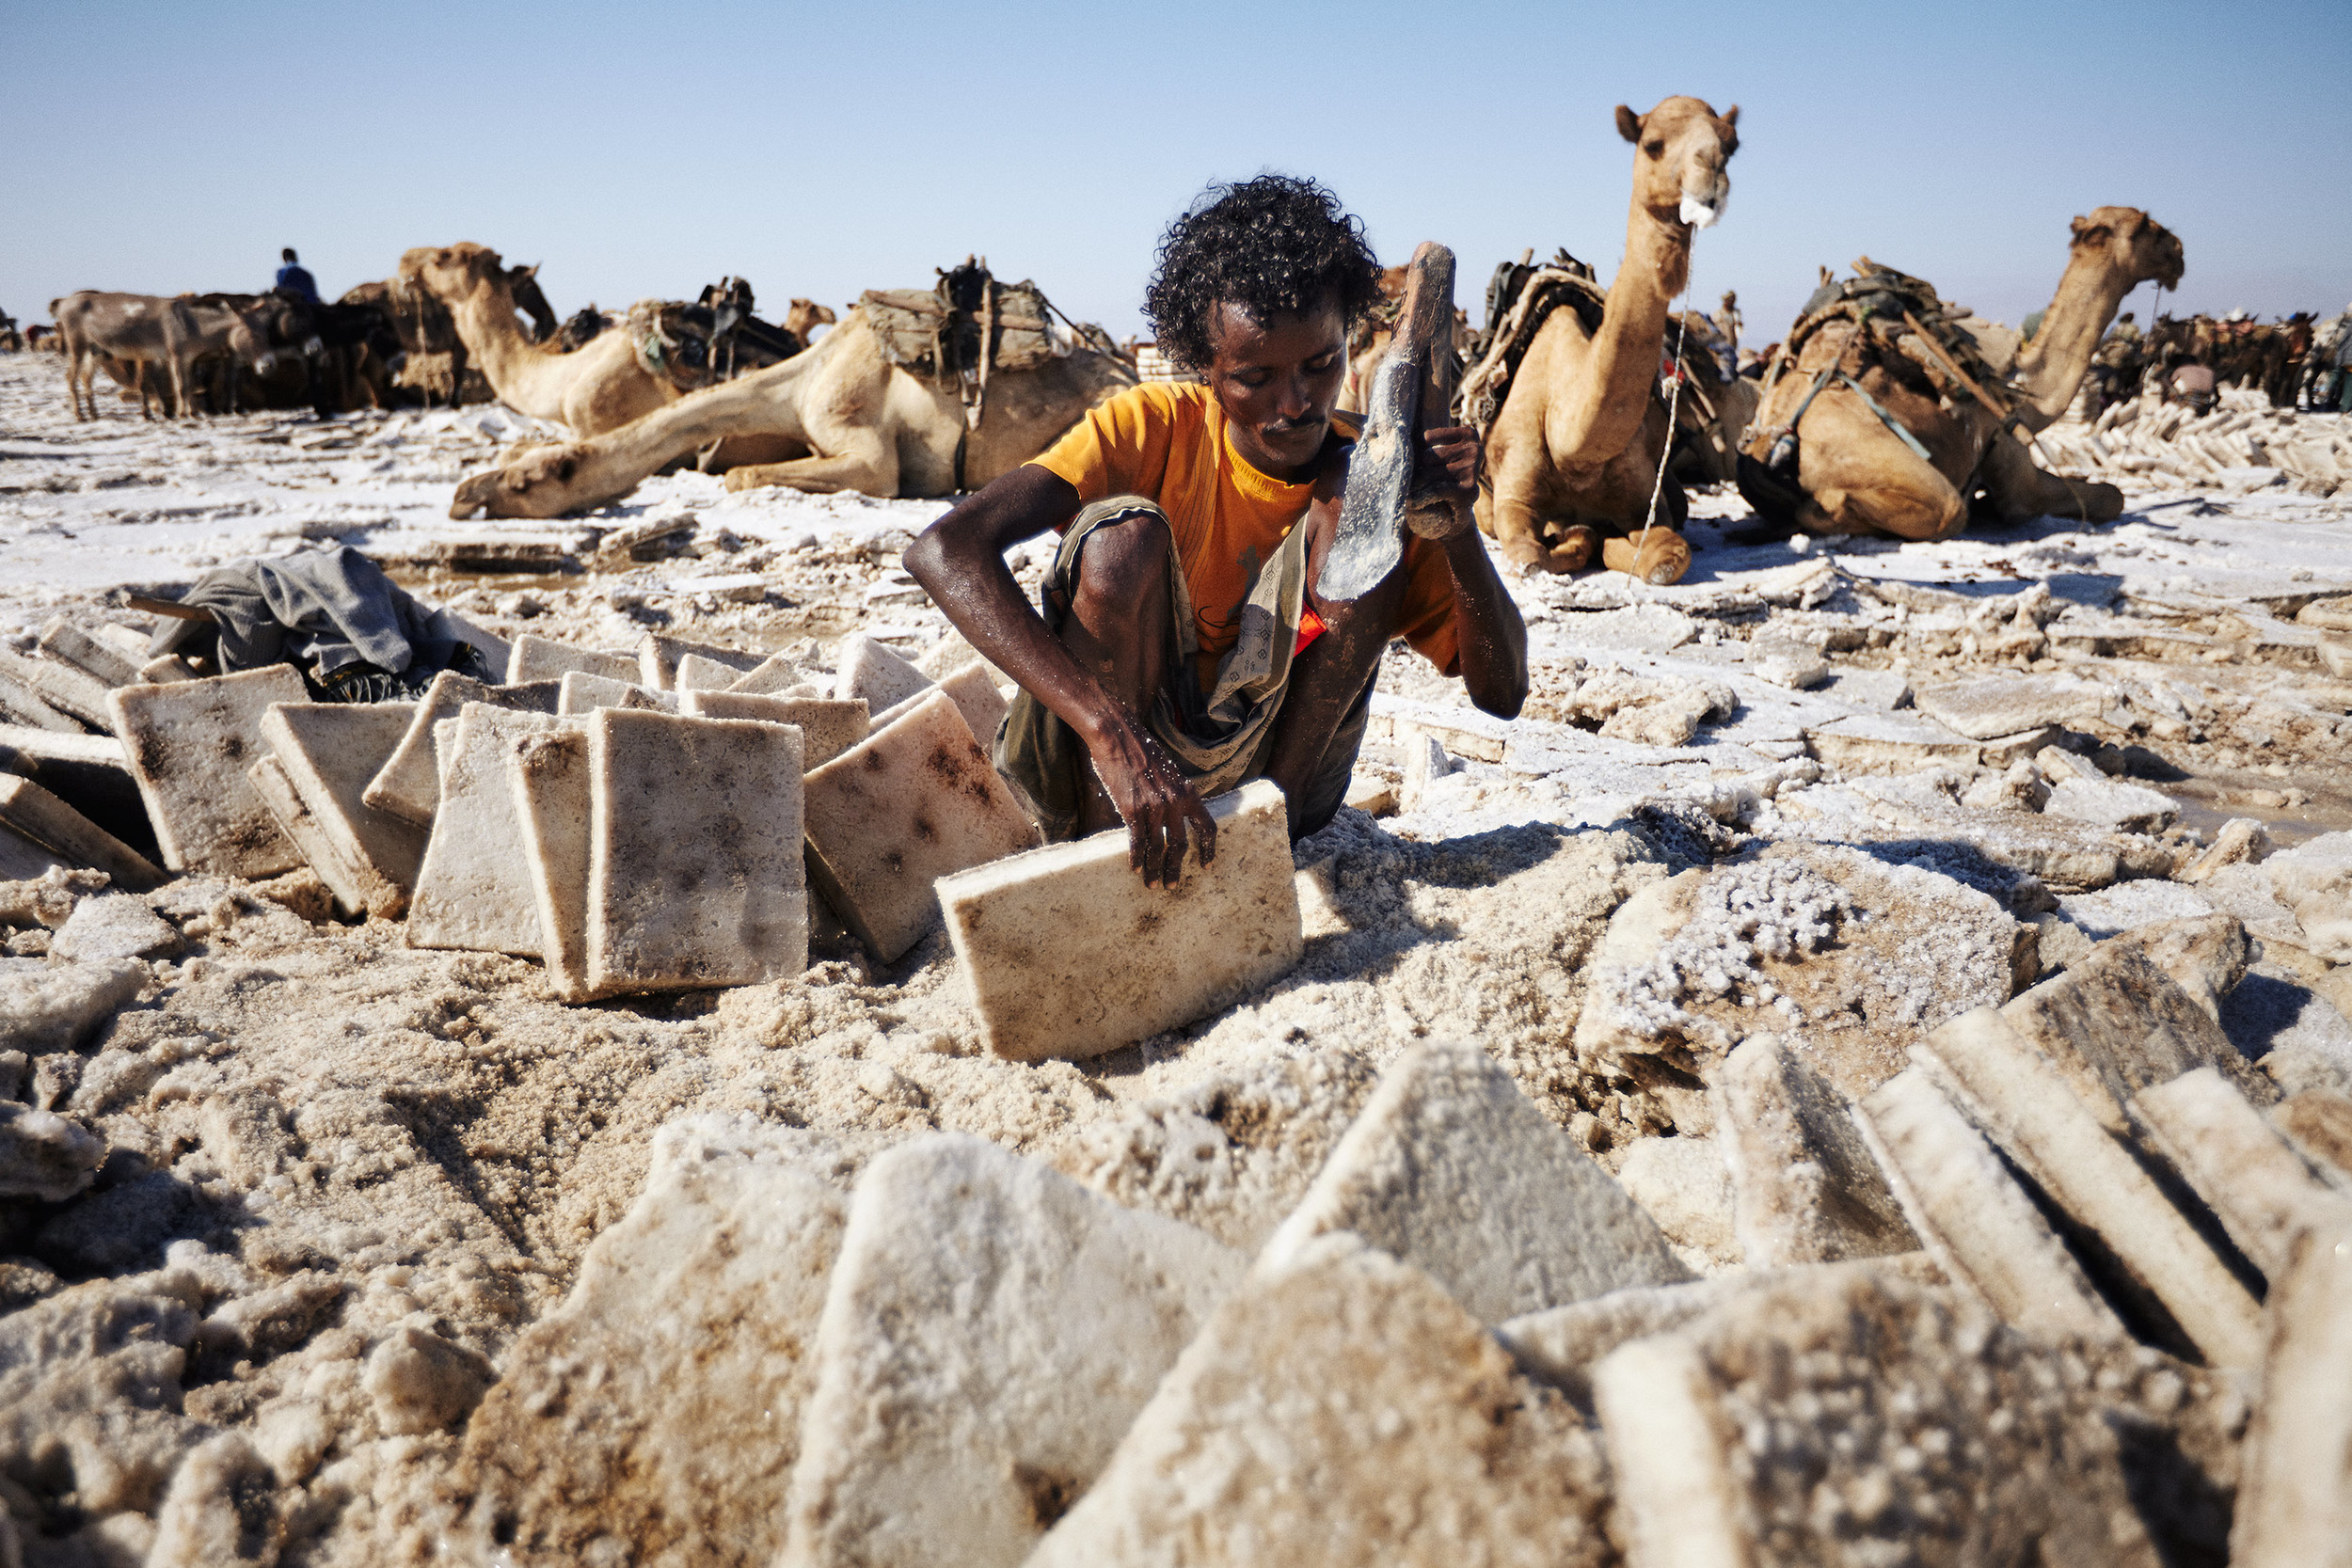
(1203, 830)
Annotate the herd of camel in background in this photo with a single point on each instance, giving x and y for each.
(1882, 410)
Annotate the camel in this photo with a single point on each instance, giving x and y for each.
(1857, 476)
(1572, 458)
(600, 388)
(870, 425)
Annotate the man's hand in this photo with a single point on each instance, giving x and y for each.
(1445, 482)
(1154, 798)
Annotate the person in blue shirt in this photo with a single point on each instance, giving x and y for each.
(294, 279)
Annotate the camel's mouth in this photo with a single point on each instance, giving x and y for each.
(1699, 212)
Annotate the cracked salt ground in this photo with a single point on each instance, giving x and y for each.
(321, 1248)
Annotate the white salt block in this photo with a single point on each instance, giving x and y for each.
(2027, 1105)
(408, 785)
(189, 744)
(991, 1330)
(474, 889)
(540, 659)
(694, 860)
(1338, 1412)
(869, 668)
(1453, 1170)
(827, 728)
(1068, 953)
(902, 809)
(331, 753)
(1974, 1218)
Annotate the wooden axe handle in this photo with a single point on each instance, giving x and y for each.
(1425, 331)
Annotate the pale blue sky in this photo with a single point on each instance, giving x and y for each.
(820, 151)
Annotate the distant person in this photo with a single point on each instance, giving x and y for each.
(293, 279)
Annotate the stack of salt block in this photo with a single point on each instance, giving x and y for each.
(629, 849)
(1468, 1343)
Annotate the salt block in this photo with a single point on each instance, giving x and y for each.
(1068, 953)
(976, 697)
(2205, 954)
(2318, 1122)
(541, 658)
(1976, 1222)
(2248, 1174)
(696, 871)
(769, 676)
(474, 889)
(951, 653)
(39, 816)
(332, 752)
(549, 777)
(1561, 1346)
(343, 881)
(2027, 1105)
(1887, 743)
(827, 728)
(55, 1009)
(657, 658)
(408, 785)
(1805, 1188)
(2294, 1495)
(693, 1315)
(113, 926)
(899, 810)
(108, 665)
(865, 668)
(22, 860)
(1453, 1170)
(165, 667)
(189, 744)
(584, 694)
(1676, 1499)
(2117, 1023)
(697, 674)
(62, 686)
(991, 1332)
(1721, 1451)
(1338, 1412)
(20, 705)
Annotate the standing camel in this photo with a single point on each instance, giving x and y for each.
(872, 426)
(1855, 475)
(1573, 456)
(602, 387)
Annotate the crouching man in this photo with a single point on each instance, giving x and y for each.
(1182, 648)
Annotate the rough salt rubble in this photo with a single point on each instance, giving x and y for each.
(325, 1248)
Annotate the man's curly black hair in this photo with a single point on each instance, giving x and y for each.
(1274, 243)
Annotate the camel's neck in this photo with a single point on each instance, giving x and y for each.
(2052, 365)
(1605, 407)
(485, 321)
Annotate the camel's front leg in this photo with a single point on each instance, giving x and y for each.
(550, 482)
(1509, 510)
(1862, 479)
(870, 466)
(2020, 490)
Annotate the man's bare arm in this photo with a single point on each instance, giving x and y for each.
(959, 560)
(1489, 632)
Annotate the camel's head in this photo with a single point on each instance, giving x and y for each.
(2132, 241)
(523, 283)
(451, 272)
(803, 316)
(1680, 153)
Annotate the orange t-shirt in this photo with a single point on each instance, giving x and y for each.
(1167, 440)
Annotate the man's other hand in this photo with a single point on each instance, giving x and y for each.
(1445, 470)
